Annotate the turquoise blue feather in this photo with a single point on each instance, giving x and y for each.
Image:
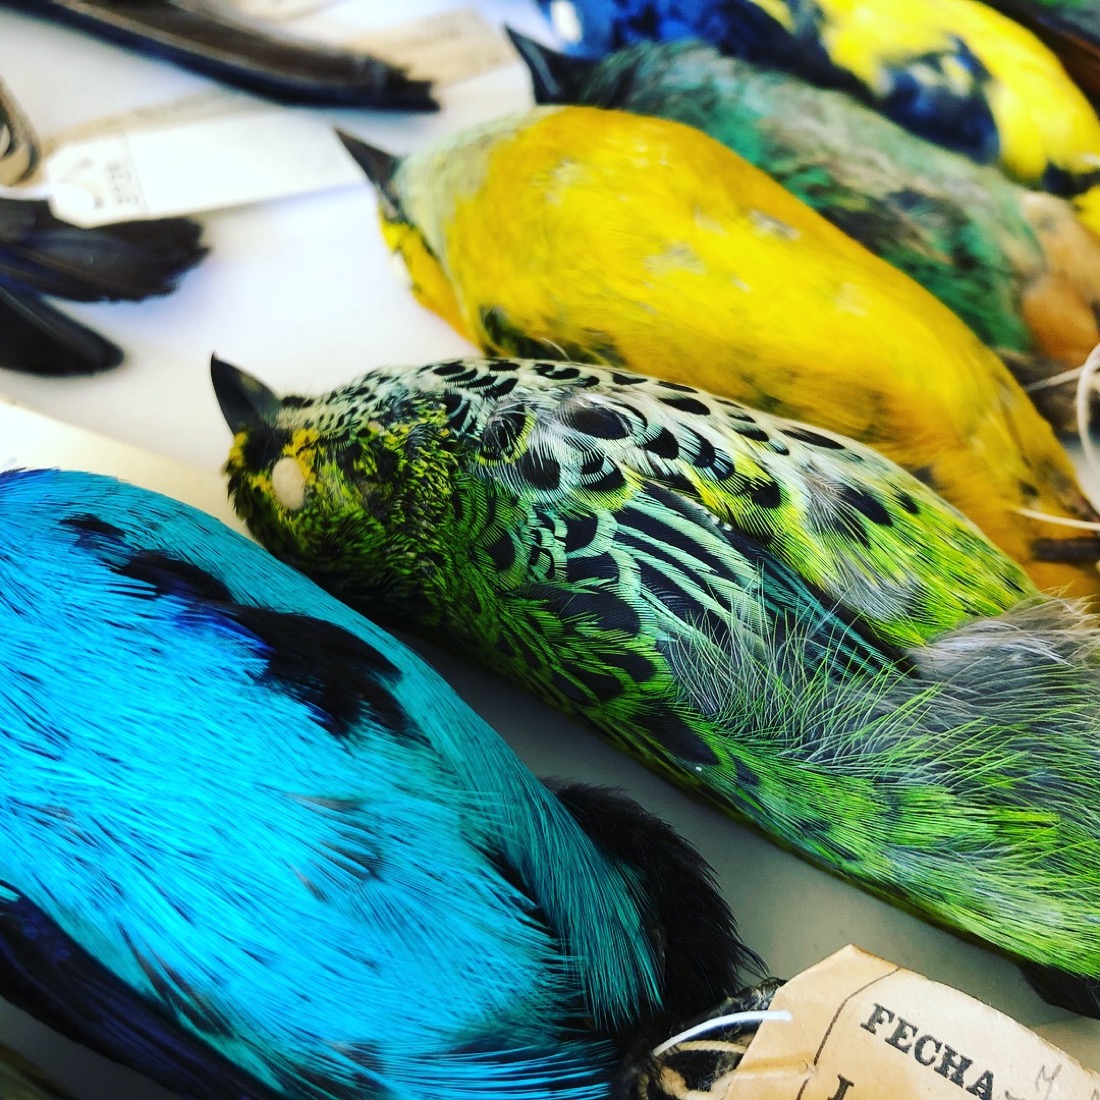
(255, 847)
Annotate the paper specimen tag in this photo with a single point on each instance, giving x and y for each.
(223, 148)
(189, 165)
(279, 9)
(444, 48)
(861, 1027)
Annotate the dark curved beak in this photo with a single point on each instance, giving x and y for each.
(246, 403)
(379, 167)
(555, 77)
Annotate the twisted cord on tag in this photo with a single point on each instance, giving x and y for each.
(717, 1022)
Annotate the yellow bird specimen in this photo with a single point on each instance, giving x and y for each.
(577, 233)
(960, 73)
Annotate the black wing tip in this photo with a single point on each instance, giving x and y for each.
(36, 338)
(165, 267)
(365, 81)
(235, 51)
(380, 84)
(1083, 549)
(404, 92)
(245, 402)
(117, 261)
(703, 955)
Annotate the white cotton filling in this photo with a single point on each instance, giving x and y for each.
(289, 483)
(563, 18)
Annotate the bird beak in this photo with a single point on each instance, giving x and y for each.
(555, 77)
(380, 168)
(246, 403)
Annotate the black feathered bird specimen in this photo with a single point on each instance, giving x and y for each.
(41, 256)
(205, 37)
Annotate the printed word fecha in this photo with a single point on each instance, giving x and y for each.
(940, 1057)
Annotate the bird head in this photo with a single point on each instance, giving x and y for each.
(326, 486)
(417, 260)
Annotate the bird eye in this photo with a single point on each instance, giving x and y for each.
(289, 483)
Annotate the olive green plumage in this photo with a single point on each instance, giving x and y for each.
(988, 248)
(778, 618)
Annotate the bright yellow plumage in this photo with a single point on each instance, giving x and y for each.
(1045, 132)
(645, 244)
(1042, 117)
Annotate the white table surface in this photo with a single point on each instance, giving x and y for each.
(300, 292)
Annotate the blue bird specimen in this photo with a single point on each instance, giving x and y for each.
(956, 72)
(254, 847)
(776, 618)
(42, 256)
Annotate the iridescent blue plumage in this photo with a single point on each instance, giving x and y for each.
(255, 847)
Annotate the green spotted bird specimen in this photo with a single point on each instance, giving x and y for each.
(778, 618)
(1016, 265)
